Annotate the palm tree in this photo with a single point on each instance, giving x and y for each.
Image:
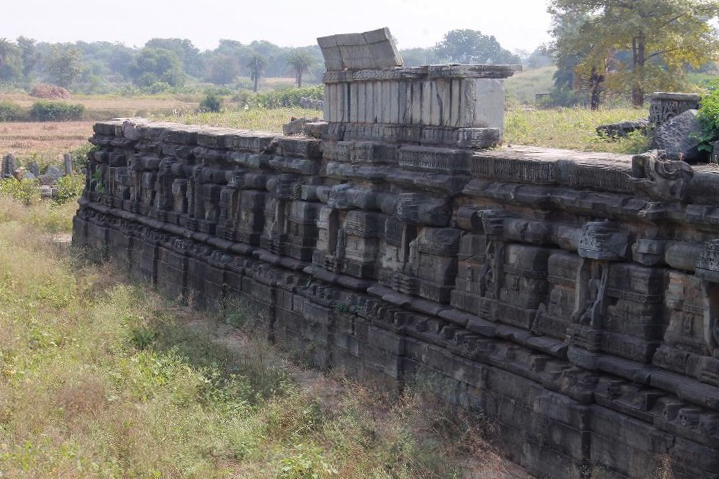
(300, 62)
(256, 65)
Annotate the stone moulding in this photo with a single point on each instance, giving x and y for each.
(541, 287)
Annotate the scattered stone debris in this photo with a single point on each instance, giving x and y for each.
(312, 104)
(303, 126)
(622, 129)
(665, 106)
(46, 182)
(679, 137)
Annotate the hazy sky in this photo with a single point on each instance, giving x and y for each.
(517, 24)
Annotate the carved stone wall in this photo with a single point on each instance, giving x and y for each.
(571, 297)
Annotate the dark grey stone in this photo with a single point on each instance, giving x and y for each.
(679, 136)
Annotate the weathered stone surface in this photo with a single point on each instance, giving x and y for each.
(54, 172)
(571, 298)
(622, 129)
(360, 51)
(665, 106)
(679, 136)
(8, 166)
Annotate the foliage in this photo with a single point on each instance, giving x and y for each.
(157, 65)
(10, 111)
(471, 46)
(709, 118)
(212, 102)
(306, 462)
(183, 49)
(223, 69)
(9, 56)
(56, 111)
(64, 65)
(23, 191)
(69, 187)
(256, 66)
(286, 98)
(638, 46)
(300, 62)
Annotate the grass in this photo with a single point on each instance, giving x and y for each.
(572, 128)
(102, 378)
(255, 119)
(523, 86)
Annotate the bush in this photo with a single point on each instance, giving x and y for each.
(709, 118)
(10, 111)
(56, 111)
(20, 190)
(211, 102)
(280, 99)
(69, 187)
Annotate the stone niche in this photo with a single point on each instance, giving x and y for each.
(571, 298)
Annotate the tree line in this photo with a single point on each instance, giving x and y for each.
(97, 67)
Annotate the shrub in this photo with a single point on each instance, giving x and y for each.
(281, 98)
(69, 187)
(10, 111)
(709, 118)
(56, 111)
(211, 102)
(20, 190)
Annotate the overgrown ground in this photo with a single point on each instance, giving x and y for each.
(101, 378)
(572, 128)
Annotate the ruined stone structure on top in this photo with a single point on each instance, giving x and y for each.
(571, 297)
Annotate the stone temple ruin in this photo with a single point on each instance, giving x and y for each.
(573, 298)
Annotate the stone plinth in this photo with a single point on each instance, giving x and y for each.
(571, 298)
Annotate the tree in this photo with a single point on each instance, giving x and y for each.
(29, 54)
(256, 65)
(470, 46)
(188, 54)
(64, 65)
(222, 69)
(568, 50)
(662, 38)
(300, 62)
(155, 65)
(8, 51)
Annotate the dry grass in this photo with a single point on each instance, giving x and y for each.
(99, 378)
(123, 105)
(46, 141)
(252, 119)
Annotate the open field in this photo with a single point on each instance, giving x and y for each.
(43, 142)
